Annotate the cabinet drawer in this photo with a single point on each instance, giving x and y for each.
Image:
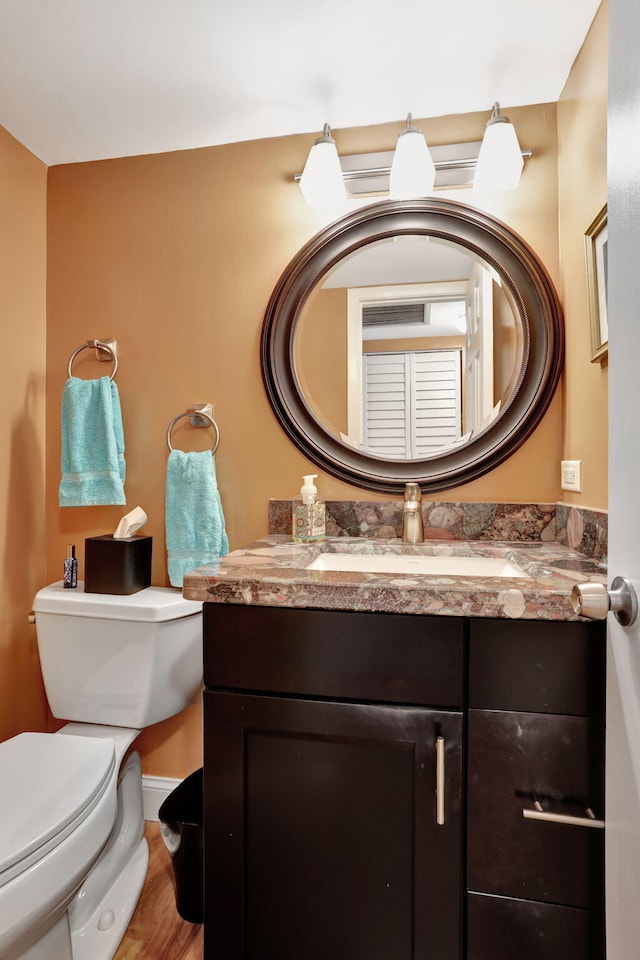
(514, 759)
(538, 666)
(391, 658)
(503, 929)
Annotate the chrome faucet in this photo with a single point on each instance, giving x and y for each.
(412, 525)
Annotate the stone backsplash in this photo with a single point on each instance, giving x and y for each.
(583, 530)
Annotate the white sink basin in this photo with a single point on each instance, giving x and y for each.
(450, 566)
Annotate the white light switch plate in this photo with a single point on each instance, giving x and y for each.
(571, 475)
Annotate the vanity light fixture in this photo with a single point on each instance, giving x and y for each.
(329, 180)
(413, 171)
(500, 160)
(321, 180)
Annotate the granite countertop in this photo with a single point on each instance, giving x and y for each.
(272, 572)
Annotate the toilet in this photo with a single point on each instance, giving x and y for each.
(73, 858)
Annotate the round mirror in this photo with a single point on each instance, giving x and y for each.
(412, 340)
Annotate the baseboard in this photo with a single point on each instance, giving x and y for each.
(154, 791)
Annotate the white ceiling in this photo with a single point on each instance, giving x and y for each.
(410, 259)
(92, 79)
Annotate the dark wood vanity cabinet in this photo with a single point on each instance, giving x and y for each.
(321, 809)
(323, 731)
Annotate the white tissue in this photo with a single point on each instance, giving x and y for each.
(130, 524)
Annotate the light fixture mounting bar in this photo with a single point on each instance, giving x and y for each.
(366, 173)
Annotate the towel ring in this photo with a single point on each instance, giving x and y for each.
(190, 413)
(98, 345)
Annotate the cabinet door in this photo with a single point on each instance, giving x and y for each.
(321, 831)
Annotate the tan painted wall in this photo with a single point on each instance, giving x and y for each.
(321, 345)
(582, 178)
(175, 255)
(23, 185)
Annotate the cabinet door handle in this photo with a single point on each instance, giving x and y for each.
(440, 781)
(539, 814)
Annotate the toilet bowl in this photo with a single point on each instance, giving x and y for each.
(74, 859)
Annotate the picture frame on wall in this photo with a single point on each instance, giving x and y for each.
(596, 250)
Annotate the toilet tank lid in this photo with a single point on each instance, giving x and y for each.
(153, 604)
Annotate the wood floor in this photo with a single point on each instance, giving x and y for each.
(156, 930)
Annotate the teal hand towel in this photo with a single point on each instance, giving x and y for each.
(195, 528)
(92, 456)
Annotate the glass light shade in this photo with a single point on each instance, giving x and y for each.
(412, 171)
(500, 160)
(321, 181)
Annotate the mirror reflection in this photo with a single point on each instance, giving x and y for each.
(408, 347)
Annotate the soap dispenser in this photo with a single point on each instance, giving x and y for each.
(308, 512)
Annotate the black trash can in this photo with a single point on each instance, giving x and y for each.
(180, 817)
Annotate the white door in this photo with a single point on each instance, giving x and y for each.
(623, 669)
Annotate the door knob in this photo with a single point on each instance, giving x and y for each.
(594, 601)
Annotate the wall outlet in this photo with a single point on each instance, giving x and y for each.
(571, 475)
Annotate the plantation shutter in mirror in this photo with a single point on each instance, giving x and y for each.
(412, 403)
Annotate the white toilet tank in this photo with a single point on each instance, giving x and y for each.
(128, 661)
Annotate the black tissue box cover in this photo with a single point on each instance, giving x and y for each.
(117, 566)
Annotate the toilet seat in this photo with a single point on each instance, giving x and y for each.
(49, 786)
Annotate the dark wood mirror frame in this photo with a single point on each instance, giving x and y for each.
(535, 301)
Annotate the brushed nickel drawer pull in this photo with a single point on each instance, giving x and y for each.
(539, 814)
(440, 781)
